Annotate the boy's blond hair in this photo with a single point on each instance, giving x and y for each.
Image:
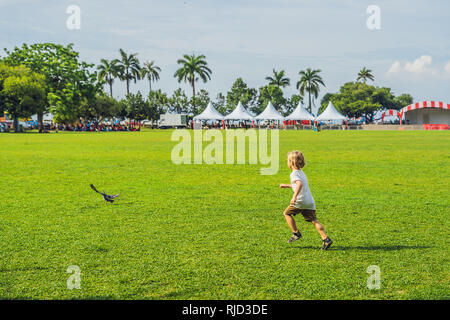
(297, 159)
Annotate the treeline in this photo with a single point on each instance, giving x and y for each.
(47, 77)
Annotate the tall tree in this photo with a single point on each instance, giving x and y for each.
(324, 102)
(178, 102)
(310, 81)
(199, 102)
(129, 68)
(240, 92)
(403, 100)
(69, 81)
(278, 79)
(365, 74)
(291, 104)
(136, 107)
(219, 103)
(270, 93)
(191, 67)
(108, 71)
(151, 72)
(22, 92)
(157, 102)
(356, 99)
(103, 107)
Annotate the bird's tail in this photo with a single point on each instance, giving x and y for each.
(93, 188)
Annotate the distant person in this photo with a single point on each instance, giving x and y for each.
(302, 200)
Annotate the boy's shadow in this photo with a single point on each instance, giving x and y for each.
(381, 248)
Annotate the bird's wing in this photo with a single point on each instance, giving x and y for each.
(114, 196)
(93, 188)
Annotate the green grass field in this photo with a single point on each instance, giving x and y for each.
(217, 231)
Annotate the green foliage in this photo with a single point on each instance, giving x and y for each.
(278, 79)
(22, 92)
(356, 99)
(219, 103)
(324, 102)
(108, 71)
(193, 66)
(364, 75)
(69, 82)
(157, 102)
(240, 92)
(199, 102)
(150, 71)
(101, 107)
(136, 106)
(129, 68)
(178, 102)
(403, 100)
(72, 90)
(269, 93)
(310, 81)
(291, 104)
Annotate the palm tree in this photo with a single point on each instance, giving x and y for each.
(365, 74)
(108, 71)
(192, 65)
(151, 71)
(129, 68)
(310, 80)
(278, 79)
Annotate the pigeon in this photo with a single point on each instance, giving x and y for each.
(106, 197)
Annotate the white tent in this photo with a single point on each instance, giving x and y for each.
(210, 113)
(269, 114)
(300, 113)
(47, 117)
(239, 113)
(331, 113)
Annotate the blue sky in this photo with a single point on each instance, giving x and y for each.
(410, 53)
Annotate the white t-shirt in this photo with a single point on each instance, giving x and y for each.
(305, 199)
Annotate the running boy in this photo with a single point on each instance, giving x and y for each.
(302, 201)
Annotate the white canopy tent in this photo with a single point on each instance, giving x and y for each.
(269, 113)
(239, 113)
(47, 117)
(300, 113)
(210, 113)
(331, 113)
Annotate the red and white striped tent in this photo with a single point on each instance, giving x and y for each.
(391, 112)
(427, 112)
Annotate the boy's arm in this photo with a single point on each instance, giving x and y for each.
(284, 186)
(296, 192)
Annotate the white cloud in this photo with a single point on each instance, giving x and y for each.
(447, 67)
(395, 68)
(419, 66)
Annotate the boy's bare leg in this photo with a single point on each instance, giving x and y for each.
(320, 229)
(291, 222)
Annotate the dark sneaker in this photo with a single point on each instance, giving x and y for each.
(294, 237)
(326, 243)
